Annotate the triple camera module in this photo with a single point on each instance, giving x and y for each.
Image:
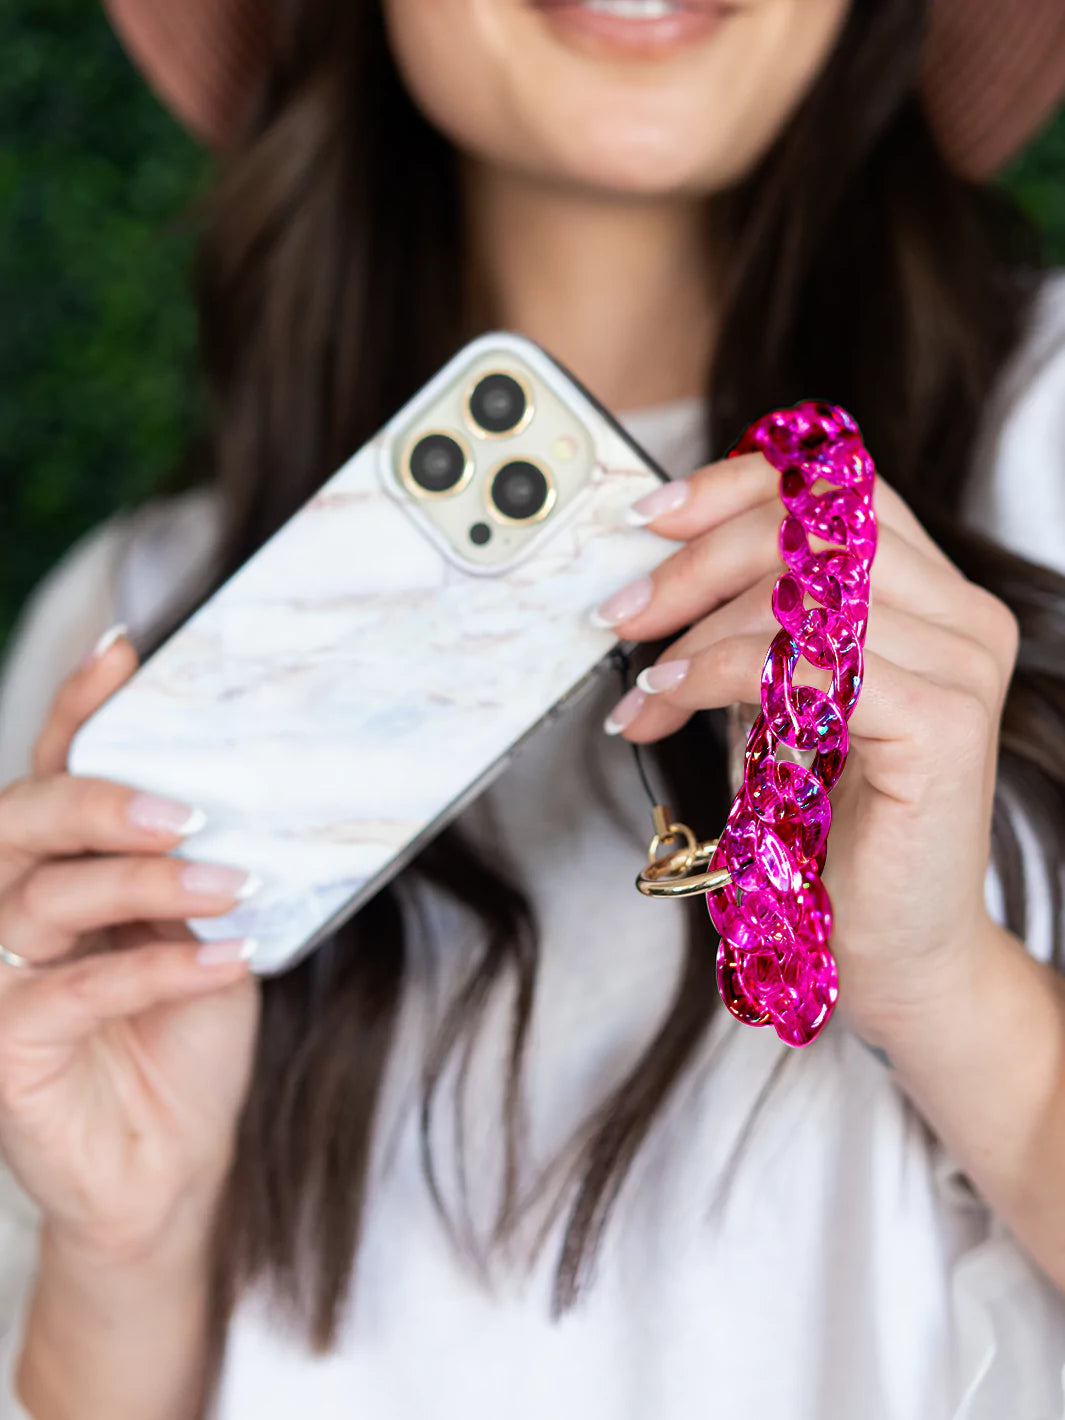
(519, 490)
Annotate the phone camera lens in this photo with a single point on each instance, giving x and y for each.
(497, 403)
(437, 463)
(520, 490)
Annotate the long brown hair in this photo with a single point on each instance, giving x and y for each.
(331, 285)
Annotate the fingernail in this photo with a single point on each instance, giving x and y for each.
(221, 953)
(216, 880)
(658, 502)
(106, 641)
(624, 712)
(158, 815)
(630, 600)
(664, 676)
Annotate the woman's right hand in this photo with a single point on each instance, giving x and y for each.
(123, 1072)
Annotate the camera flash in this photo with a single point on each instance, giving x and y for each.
(564, 447)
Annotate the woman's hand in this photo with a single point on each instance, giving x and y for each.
(974, 1025)
(911, 817)
(122, 1072)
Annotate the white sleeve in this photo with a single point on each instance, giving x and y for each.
(58, 626)
(1017, 493)
(18, 1257)
(95, 584)
(1039, 935)
(1008, 1318)
(133, 568)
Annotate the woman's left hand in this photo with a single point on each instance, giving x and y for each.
(911, 813)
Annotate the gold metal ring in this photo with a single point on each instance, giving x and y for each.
(674, 830)
(671, 876)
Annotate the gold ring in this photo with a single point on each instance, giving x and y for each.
(671, 877)
(674, 830)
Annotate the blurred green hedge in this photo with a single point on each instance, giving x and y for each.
(97, 375)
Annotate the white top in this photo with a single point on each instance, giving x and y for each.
(852, 1272)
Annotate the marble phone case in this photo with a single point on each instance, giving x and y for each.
(352, 688)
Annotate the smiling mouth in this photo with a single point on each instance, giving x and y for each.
(636, 27)
(633, 9)
(648, 10)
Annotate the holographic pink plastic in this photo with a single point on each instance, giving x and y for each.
(774, 966)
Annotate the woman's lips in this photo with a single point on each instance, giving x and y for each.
(633, 27)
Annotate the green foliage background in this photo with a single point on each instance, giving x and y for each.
(97, 372)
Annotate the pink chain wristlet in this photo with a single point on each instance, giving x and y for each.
(763, 884)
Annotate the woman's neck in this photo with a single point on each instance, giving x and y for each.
(618, 289)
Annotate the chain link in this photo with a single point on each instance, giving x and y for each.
(774, 964)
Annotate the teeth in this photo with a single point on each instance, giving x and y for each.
(634, 9)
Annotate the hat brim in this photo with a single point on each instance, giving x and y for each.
(994, 73)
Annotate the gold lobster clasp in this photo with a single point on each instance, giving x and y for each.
(671, 875)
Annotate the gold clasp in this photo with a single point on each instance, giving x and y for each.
(671, 875)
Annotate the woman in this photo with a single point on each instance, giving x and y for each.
(392, 1183)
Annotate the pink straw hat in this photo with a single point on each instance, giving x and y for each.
(994, 69)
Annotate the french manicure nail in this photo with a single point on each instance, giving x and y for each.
(623, 604)
(658, 502)
(221, 953)
(624, 712)
(158, 815)
(664, 676)
(106, 641)
(217, 880)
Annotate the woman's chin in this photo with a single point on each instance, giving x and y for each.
(648, 163)
(673, 95)
(634, 178)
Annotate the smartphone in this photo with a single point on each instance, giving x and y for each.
(388, 651)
